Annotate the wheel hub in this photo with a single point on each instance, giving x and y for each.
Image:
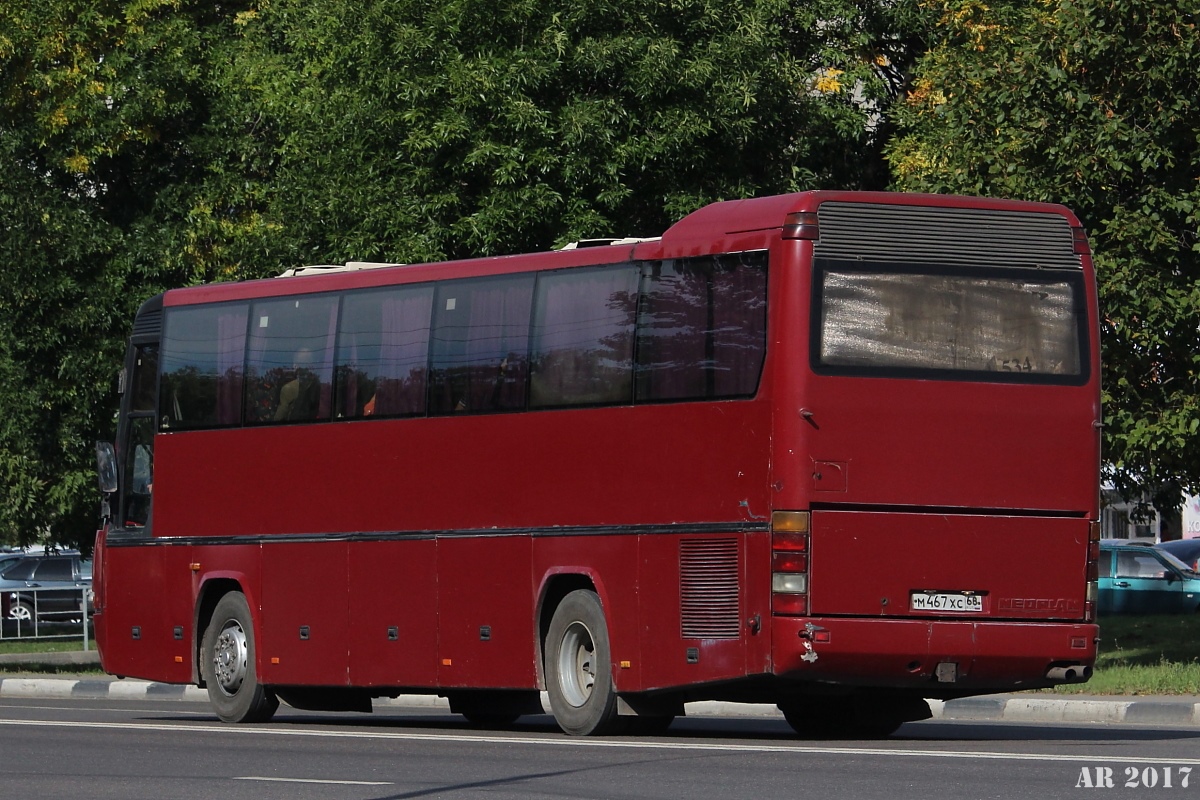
(577, 664)
(231, 657)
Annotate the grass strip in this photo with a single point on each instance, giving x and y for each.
(1157, 654)
(73, 644)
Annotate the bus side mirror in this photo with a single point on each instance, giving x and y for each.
(106, 467)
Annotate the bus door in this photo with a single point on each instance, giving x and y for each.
(137, 447)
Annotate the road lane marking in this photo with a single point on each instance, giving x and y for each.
(629, 744)
(312, 780)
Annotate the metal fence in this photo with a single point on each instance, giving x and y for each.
(46, 614)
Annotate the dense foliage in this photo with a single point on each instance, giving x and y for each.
(156, 143)
(100, 105)
(1095, 104)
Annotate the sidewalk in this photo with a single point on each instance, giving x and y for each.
(1027, 707)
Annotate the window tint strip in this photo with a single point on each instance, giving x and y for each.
(676, 330)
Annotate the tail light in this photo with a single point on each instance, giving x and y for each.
(801, 225)
(789, 562)
(1079, 241)
(1092, 592)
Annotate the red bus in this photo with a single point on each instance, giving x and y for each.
(833, 451)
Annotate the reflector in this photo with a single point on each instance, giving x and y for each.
(789, 521)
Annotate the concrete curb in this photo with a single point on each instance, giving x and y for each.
(97, 689)
(1008, 708)
(1024, 708)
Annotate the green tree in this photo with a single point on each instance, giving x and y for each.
(104, 147)
(414, 130)
(146, 144)
(1094, 104)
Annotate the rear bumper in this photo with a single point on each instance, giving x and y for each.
(907, 653)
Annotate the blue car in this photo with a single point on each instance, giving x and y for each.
(1142, 579)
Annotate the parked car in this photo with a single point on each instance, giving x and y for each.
(1136, 579)
(1186, 550)
(50, 587)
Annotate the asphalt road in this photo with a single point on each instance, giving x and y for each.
(110, 749)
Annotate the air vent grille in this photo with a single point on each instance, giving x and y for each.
(148, 323)
(708, 588)
(931, 235)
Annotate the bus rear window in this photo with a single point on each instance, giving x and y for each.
(1014, 325)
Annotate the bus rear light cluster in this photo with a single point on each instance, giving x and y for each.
(1092, 593)
(801, 225)
(1079, 242)
(789, 562)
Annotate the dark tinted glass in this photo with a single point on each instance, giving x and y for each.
(702, 327)
(202, 362)
(54, 569)
(383, 352)
(145, 377)
(139, 471)
(583, 327)
(479, 360)
(289, 361)
(21, 570)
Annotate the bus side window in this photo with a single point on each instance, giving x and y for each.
(383, 352)
(289, 363)
(145, 378)
(582, 349)
(702, 328)
(479, 355)
(202, 362)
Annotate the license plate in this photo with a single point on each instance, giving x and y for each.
(947, 601)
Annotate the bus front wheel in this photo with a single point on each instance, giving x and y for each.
(228, 666)
(579, 667)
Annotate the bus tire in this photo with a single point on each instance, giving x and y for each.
(579, 667)
(227, 663)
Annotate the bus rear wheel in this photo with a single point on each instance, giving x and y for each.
(227, 663)
(579, 667)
